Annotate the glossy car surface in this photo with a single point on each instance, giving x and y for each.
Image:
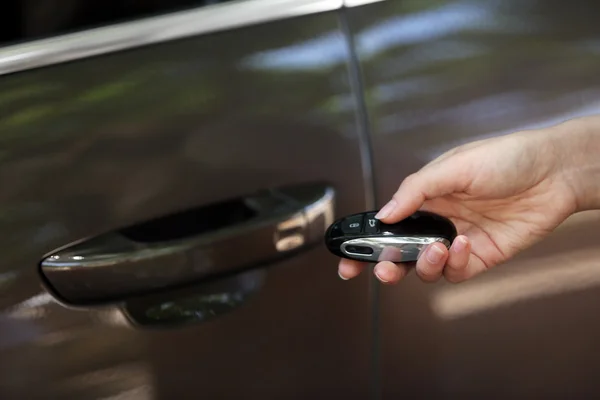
(108, 127)
(441, 73)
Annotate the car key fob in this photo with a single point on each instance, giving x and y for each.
(362, 237)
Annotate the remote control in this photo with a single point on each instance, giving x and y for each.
(362, 237)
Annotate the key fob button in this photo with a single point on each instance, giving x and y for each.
(352, 224)
(371, 224)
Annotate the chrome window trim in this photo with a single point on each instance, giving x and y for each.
(357, 3)
(178, 25)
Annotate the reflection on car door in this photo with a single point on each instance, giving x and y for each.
(93, 140)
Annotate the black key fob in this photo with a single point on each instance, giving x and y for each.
(362, 237)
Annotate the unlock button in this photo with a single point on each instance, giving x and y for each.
(371, 224)
(352, 224)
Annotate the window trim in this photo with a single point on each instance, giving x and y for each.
(178, 25)
(358, 3)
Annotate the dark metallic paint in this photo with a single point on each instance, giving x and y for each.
(94, 145)
(441, 73)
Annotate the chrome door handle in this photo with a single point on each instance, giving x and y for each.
(220, 238)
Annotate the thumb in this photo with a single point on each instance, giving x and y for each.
(433, 181)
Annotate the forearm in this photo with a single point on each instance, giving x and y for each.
(577, 146)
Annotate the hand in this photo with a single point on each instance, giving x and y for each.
(503, 194)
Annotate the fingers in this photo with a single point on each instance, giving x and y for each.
(348, 269)
(459, 254)
(390, 273)
(432, 181)
(386, 272)
(456, 265)
(430, 265)
(461, 264)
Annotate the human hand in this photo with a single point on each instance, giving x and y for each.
(503, 194)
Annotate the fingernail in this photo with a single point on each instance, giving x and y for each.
(340, 275)
(380, 278)
(459, 244)
(386, 210)
(434, 254)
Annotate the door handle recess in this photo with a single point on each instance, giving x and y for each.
(191, 304)
(189, 246)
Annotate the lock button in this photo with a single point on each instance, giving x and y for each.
(352, 224)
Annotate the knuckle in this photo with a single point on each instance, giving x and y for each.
(409, 180)
(458, 264)
(453, 268)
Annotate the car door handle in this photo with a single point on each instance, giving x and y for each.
(192, 245)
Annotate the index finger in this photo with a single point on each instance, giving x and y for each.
(429, 183)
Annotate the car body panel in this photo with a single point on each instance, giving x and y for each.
(96, 144)
(438, 74)
(220, 103)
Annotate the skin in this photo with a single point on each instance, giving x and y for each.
(503, 194)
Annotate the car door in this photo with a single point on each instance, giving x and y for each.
(438, 74)
(124, 142)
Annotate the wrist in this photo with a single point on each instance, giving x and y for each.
(576, 146)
